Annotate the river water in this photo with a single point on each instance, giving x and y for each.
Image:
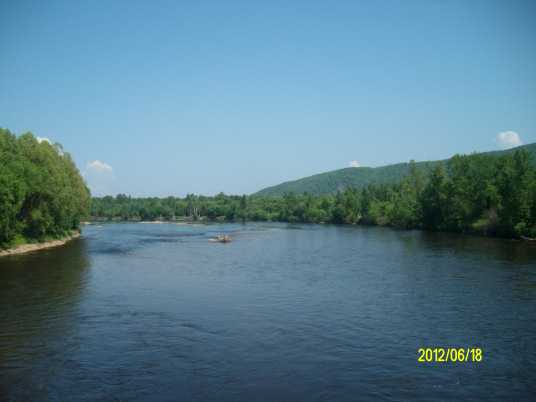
(134, 311)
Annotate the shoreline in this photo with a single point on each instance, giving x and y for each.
(26, 248)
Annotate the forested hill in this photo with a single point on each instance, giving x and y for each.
(42, 194)
(339, 180)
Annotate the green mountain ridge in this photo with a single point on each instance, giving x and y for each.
(339, 180)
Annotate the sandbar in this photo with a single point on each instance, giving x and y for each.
(26, 248)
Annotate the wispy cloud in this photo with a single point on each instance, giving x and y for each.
(508, 139)
(353, 164)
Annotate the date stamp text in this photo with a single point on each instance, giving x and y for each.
(450, 355)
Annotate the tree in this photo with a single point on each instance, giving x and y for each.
(340, 211)
(41, 190)
(434, 196)
(516, 182)
(407, 196)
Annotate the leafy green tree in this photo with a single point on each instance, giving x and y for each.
(41, 190)
(12, 186)
(471, 189)
(340, 211)
(434, 197)
(193, 204)
(407, 198)
(516, 181)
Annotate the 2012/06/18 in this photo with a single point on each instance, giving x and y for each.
(453, 355)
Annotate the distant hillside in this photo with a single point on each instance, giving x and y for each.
(339, 180)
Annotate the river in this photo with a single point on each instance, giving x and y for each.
(134, 311)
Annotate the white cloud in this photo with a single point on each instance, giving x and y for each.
(98, 166)
(98, 176)
(508, 139)
(41, 139)
(354, 164)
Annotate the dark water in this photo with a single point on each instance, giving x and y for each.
(283, 312)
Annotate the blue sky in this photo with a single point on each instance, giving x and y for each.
(158, 98)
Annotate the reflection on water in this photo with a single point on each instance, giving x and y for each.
(302, 312)
(40, 294)
(500, 249)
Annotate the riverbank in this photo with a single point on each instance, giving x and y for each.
(26, 248)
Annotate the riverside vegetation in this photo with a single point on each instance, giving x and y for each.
(43, 197)
(475, 193)
(42, 194)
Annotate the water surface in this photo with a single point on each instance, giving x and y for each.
(293, 312)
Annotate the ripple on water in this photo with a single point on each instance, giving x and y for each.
(316, 312)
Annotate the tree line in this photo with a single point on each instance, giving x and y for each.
(474, 193)
(358, 178)
(42, 193)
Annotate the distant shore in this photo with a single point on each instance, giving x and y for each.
(26, 248)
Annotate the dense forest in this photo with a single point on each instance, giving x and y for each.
(475, 193)
(42, 194)
(359, 178)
